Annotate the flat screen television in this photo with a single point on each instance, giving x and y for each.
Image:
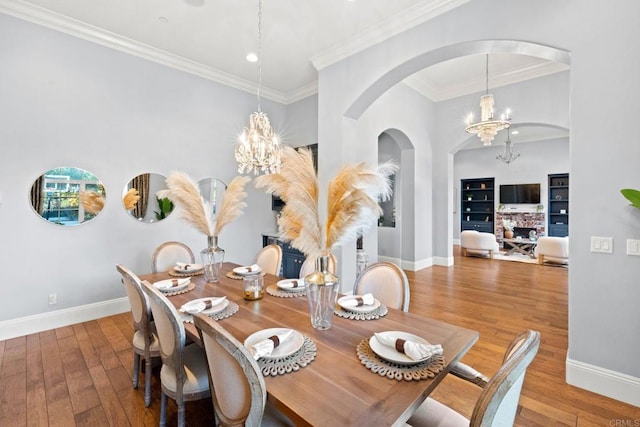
(519, 193)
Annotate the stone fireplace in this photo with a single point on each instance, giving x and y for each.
(525, 222)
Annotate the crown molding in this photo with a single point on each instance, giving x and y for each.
(516, 75)
(70, 26)
(392, 26)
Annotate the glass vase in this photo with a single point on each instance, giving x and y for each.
(322, 293)
(212, 259)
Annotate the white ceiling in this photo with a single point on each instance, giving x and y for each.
(211, 38)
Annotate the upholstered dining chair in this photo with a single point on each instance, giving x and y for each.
(167, 254)
(145, 340)
(184, 369)
(309, 266)
(387, 282)
(498, 401)
(269, 258)
(237, 386)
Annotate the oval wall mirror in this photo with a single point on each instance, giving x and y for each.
(67, 196)
(212, 190)
(140, 201)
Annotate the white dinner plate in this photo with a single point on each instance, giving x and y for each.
(284, 285)
(193, 268)
(242, 271)
(361, 309)
(166, 285)
(391, 354)
(287, 348)
(190, 307)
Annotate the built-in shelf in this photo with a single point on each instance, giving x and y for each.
(477, 198)
(558, 209)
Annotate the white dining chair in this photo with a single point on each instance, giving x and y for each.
(498, 401)
(145, 340)
(387, 282)
(166, 255)
(269, 258)
(184, 369)
(238, 390)
(309, 266)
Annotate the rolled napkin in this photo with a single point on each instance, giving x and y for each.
(248, 269)
(266, 346)
(414, 350)
(166, 285)
(185, 266)
(292, 284)
(194, 307)
(359, 300)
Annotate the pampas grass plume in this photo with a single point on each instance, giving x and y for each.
(232, 205)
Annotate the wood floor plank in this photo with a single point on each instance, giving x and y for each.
(82, 392)
(113, 410)
(13, 400)
(37, 407)
(54, 379)
(60, 413)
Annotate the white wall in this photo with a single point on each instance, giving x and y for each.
(69, 102)
(603, 290)
(537, 160)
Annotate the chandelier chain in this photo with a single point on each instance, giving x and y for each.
(259, 52)
(487, 74)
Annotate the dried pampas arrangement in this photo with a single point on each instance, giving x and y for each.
(184, 193)
(130, 199)
(92, 201)
(352, 201)
(233, 204)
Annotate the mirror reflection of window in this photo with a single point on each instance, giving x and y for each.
(67, 196)
(212, 190)
(388, 217)
(140, 201)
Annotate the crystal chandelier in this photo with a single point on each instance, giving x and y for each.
(508, 155)
(258, 147)
(488, 126)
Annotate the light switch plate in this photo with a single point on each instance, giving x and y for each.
(603, 245)
(633, 247)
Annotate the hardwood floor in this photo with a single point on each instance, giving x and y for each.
(81, 374)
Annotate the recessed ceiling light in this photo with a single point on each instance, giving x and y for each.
(252, 57)
(163, 19)
(515, 132)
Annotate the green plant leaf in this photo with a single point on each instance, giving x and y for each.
(166, 206)
(632, 195)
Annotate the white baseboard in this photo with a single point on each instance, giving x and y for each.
(418, 265)
(615, 385)
(392, 260)
(443, 261)
(59, 318)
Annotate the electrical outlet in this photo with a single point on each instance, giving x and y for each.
(53, 299)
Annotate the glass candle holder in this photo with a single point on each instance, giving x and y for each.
(253, 287)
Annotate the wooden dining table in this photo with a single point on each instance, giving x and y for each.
(335, 388)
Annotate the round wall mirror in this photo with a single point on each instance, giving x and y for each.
(212, 190)
(140, 201)
(67, 196)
